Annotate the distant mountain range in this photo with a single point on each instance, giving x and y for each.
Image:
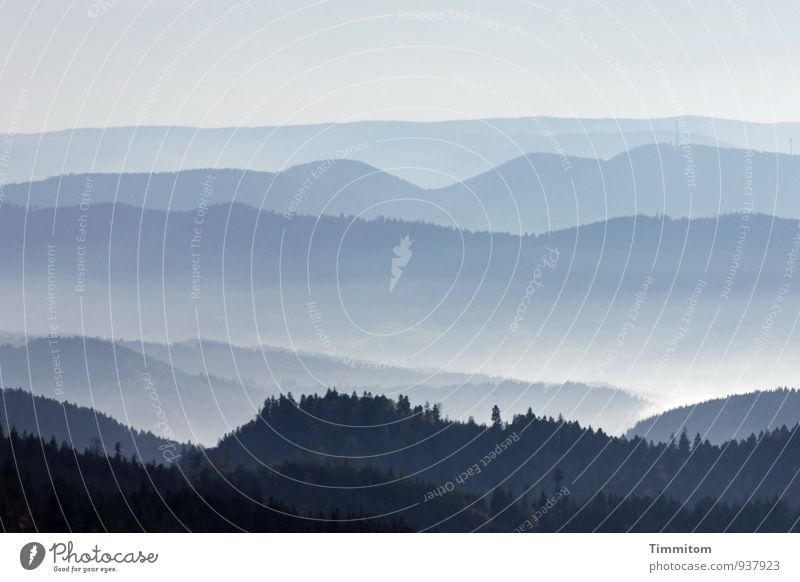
(654, 304)
(530, 194)
(430, 154)
(722, 419)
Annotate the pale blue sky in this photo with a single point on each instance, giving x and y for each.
(99, 63)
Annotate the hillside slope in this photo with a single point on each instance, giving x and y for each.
(722, 419)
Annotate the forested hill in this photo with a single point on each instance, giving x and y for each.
(45, 487)
(416, 441)
(524, 475)
(80, 427)
(722, 419)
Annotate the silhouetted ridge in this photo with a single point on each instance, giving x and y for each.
(80, 427)
(722, 419)
(392, 435)
(96, 491)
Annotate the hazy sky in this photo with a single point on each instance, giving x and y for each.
(124, 62)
